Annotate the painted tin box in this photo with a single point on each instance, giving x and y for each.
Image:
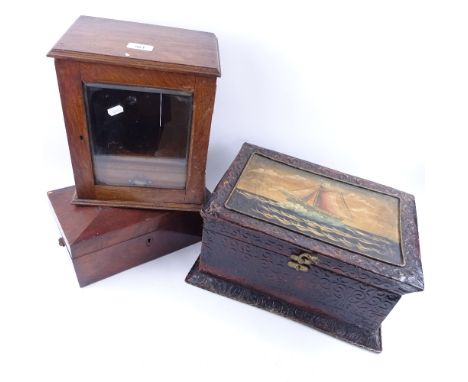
(318, 246)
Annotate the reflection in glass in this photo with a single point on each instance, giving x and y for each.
(139, 136)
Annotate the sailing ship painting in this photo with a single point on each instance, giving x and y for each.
(331, 205)
(353, 218)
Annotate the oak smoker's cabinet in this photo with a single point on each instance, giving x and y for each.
(137, 101)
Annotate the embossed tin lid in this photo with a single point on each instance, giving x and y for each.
(359, 228)
(99, 40)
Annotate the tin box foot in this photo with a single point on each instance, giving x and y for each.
(370, 340)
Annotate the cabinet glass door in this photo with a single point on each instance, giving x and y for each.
(139, 135)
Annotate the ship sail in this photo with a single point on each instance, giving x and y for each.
(303, 193)
(327, 201)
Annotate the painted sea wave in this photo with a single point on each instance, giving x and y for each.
(313, 224)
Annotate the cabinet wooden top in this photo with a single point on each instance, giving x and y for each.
(99, 40)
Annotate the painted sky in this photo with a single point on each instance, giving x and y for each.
(369, 211)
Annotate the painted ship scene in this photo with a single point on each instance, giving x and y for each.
(350, 217)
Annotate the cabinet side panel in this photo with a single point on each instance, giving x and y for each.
(203, 105)
(71, 94)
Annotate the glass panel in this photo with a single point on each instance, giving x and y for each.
(351, 217)
(139, 136)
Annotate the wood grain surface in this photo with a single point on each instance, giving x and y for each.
(100, 40)
(183, 61)
(103, 241)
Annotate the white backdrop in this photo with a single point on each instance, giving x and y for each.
(359, 86)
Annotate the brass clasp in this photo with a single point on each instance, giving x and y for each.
(302, 262)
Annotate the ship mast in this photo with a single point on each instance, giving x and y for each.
(318, 195)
